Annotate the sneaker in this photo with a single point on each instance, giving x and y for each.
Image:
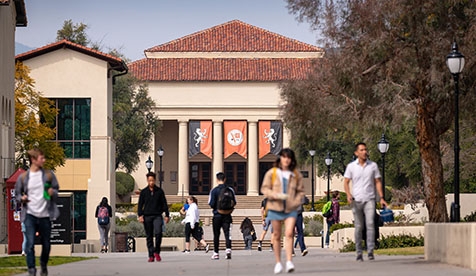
(44, 271)
(207, 248)
(23, 253)
(151, 259)
(271, 248)
(371, 256)
(32, 271)
(215, 256)
(326, 246)
(304, 253)
(289, 267)
(228, 253)
(158, 258)
(278, 268)
(359, 258)
(293, 254)
(186, 251)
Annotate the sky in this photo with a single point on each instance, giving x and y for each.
(133, 26)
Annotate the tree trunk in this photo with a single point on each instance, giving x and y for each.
(432, 169)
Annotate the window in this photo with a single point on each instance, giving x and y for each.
(73, 125)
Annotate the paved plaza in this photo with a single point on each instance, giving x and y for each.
(318, 262)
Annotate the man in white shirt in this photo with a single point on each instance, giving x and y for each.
(365, 177)
(37, 190)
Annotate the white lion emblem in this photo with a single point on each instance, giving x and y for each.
(199, 136)
(270, 137)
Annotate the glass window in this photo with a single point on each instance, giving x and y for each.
(74, 127)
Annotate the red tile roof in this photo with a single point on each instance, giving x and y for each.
(235, 36)
(115, 62)
(221, 69)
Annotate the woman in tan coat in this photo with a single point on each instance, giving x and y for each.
(283, 187)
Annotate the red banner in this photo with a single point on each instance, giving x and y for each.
(235, 138)
(270, 137)
(200, 138)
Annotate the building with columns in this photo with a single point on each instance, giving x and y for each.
(217, 92)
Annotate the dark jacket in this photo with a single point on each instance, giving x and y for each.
(335, 211)
(21, 188)
(213, 198)
(152, 203)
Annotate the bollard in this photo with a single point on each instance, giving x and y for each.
(322, 238)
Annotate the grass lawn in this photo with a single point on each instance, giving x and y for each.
(419, 250)
(12, 265)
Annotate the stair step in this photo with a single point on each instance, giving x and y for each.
(240, 245)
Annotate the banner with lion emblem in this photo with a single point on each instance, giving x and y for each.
(200, 138)
(270, 137)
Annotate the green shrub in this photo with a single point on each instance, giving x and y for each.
(392, 241)
(126, 207)
(471, 217)
(175, 207)
(134, 228)
(313, 225)
(124, 183)
(338, 226)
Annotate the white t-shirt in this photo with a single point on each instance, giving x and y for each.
(363, 179)
(37, 205)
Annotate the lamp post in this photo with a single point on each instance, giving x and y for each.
(455, 62)
(383, 146)
(328, 161)
(149, 163)
(312, 153)
(160, 152)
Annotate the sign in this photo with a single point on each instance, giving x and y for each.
(61, 231)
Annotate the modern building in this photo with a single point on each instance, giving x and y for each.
(217, 92)
(79, 80)
(12, 15)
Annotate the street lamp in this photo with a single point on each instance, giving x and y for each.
(149, 163)
(160, 152)
(455, 62)
(328, 161)
(383, 146)
(312, 153)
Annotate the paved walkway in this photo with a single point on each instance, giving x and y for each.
(247, 263)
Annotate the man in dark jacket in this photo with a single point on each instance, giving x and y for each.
(152, 204)
(220, 221)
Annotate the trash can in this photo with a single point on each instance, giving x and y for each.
(121, 241)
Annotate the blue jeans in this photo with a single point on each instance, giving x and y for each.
(329, 224)
(359, 209)
(300, 232)
(43, 226)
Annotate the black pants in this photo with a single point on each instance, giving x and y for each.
(221, 222)
(195, 232)
(153, 227)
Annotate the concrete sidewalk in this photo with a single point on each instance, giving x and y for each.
(248, 263)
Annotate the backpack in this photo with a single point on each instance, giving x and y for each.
(103, 216)
(327, 209)
(226, 201)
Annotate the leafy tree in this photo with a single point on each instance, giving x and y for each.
(34, 118)
(134, 121)
(73, 32)
(124, 183)
(389, 67)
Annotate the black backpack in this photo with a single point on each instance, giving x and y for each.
(226, 201)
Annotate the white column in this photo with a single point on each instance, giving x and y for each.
(217, 149)
(183, 179)
(253, 159)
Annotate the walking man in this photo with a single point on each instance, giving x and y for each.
(365, 177)
(152, 204)
(39, 190)
(220, 196)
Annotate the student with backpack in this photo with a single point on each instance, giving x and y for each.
(104, 214)
(248, 231)
(283, 187)
(222, 200)
(335, 215)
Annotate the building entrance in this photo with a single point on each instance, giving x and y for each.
(200, 178)
(235, 173)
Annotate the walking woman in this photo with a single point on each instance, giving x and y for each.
(283, 187)
(192, 225)
(104, 213)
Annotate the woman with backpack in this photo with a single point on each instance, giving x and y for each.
(283, 187)
(103, 213)
(334, 217)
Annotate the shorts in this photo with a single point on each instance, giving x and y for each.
(276, 215)
(267, 225)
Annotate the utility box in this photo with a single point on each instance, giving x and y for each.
(15, 236)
